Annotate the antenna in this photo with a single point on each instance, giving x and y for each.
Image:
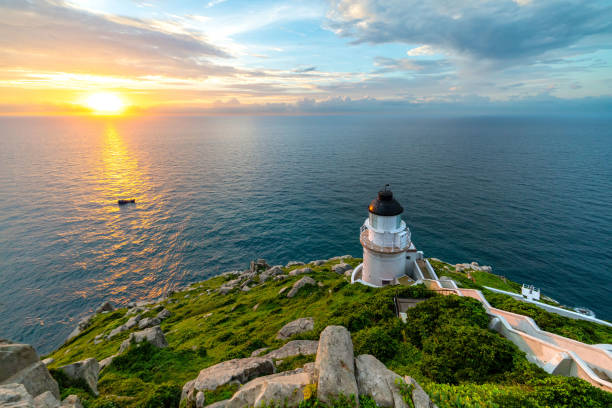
(387, 187)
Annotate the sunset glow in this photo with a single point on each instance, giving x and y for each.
(105, 103)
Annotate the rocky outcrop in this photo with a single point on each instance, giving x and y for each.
(15, 396)
(106, 361)
(300, 271)
(258, 265)
(273, 271)
(341, 268)
(105, 307)
(318, 262)
(72, 401)
(306, 280)
(86, 370)
(295, 348)
(153, 335)
(301, 325)
(19, 364)
(237, 371)
(149, 322)
(164, 314)
(377, 381)
(472, 266)
(420, 399)
(46, 400)
(285, 388)
(81, 325)
(294, 263)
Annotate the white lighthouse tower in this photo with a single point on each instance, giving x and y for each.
(387, 249)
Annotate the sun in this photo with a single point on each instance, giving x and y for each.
(105, 103)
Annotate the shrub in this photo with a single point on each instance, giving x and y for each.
(165, 396)
(376, 341)
(461, 353)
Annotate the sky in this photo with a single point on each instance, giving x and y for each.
(311, 56)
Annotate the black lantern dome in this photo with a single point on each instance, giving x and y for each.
(385, 204)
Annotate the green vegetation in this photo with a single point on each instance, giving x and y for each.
(445, 344)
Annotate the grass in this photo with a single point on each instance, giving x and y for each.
(206, 328)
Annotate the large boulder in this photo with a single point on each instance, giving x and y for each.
(15, 357)
(15, 396)
(20, 364)
(294, 348)
(236, 371)
(377, 381)
(300, 271)
(86, 370)
(283, 389)
(149, 322)
(153, 335)
(420, 399)
(334, 365)
(46, 400)
(341, 268)
(72, 401)
(301, 325)
(306, 280)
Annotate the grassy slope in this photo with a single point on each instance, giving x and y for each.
(205, 329)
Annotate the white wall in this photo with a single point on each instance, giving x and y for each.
(377, 267)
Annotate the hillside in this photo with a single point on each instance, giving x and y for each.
(445, 345)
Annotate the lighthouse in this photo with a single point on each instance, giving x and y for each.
(387, 249)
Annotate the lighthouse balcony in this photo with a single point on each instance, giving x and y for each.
(387, 242)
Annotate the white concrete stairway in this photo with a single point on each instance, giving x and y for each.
(555, 354)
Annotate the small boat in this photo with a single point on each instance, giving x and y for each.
(130, 201)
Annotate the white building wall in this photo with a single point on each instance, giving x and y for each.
(378, 267)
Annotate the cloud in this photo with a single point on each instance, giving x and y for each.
(422, 50)
(490, 29)
(53, 36)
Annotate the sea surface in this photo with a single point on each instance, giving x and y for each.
(531, 197)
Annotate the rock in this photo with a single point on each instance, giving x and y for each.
(334, 365)
(153, 335)
(20, 364)
(300, 271)
(72, 401)
(106, 361)
(86, 370)
(339, 258)
(81, 325)
(294, 263)
(341, 268)
(377, 381)
(224, 290)
(306, 280)
(237, 371)
(46, 400)
(133, 322)
(149, 322)
(15, 396)
(15, 357)
(200, 399)
(259, 352)
(48, 361)
(318, 262)
(280, 277)
(164, 314)
(258, 266)
(284, 389)
(348, 273)
(297, 326)
(135, 311)
(420, 399)
(274, 271)
(218, 404)
(294, 348)
(116, 331)
(245, 288)
(105, 307)
(283, 289)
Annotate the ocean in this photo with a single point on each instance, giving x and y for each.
(530, 196)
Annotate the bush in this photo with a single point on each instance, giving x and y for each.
(375, 341)
(427, 317)
(456, 354)
(165, 396)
